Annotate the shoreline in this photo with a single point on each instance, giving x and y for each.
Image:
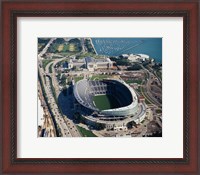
(157, 57)
(93, 46)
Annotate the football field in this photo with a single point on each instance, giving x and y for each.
(104, 102)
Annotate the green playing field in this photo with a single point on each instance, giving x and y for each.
(103, 102)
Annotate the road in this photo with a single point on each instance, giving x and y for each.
(53, 106)
(67, 128)
(148, 93)
(84, 49)
(64, 123)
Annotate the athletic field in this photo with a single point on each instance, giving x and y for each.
(104, 102)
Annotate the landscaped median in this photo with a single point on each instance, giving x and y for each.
(85, 133)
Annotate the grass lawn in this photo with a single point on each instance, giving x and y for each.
(72, 47)
(45, 62)
(139, 89)
(147, 101)
(76, 79)
(85, 133)
(133, 81)
(60, 47)
(66, 53)
(99, 77)
(50, 68)
(158, 111)
(106, 102)
(53, 90)
(87, 54)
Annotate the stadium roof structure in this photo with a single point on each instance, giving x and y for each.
(84, 92)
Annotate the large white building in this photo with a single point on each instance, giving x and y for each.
(91, 64)
(135, 57)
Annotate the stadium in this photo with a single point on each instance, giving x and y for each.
(94, 94)
(112, 101)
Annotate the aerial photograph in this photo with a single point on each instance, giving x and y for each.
(99, 87)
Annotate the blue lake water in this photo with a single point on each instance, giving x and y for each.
(118, 46)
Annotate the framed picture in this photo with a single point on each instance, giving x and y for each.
(100, 87)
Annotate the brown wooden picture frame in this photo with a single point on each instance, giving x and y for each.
(11, 10)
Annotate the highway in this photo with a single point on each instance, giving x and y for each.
(67, 128)
(67, 124)
(84, 49)
(53, 106)
(148, 93)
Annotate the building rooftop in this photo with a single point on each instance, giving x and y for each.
(89, 60)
